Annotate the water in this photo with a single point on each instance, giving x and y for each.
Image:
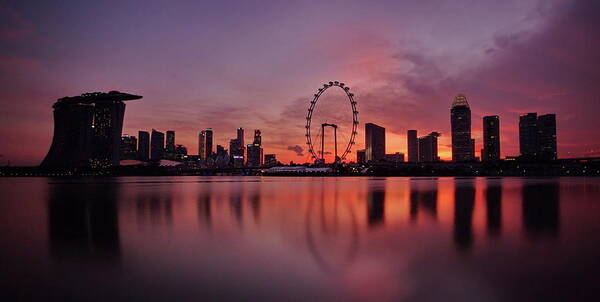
(299, 239)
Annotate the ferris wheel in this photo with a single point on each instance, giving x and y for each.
(309, 140)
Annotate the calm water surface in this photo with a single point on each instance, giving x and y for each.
(300, 239)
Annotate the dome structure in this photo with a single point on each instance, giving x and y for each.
(460, 100)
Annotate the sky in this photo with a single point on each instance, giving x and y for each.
(256, 64)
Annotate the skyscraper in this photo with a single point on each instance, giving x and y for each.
(270, 160)
(201, 149)
(170, 145)
(87, 130)
(237, 152)
(143, 145)
(255, 151)
(128, 147)
(428, 147)
(460, 121)
(528, 132)
(413, 146)
(374, 142)
(157, 145)
(208, 143)
(242, 144)
(547, 136)
(257, 138)
(491, 138)
(255, 155)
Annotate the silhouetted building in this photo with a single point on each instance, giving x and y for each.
(242, 144)
(270, 160)
(547, 136)
(460, 120)
(236, 151)
(413, 146)
(255, 155)
(180, 153)
(374, 142)
(208, 143)
(528, 144)
(143, 146)
(428, 148)
(201, 147)
(257, 138)
(491, 138)
(170, 145)
(128, 147)
(395, 157)
(87, 130)
(157, 146)
(537, 136)
(361, 156)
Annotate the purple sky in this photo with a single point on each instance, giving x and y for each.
(256, 64)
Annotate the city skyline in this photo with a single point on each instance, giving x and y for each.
(527, 58)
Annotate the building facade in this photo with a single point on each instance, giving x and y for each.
(374, 142)
(170, 145)
(528, 135)
(361, 156)
(460, 122)
(128, 147)
(412, 146)
(547, 137)
(428, 148)
(157, 146)
(143, 151)
(491, 138)
(87, 130)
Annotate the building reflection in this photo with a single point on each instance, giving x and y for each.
(83, 223)
(255, 204)
(375, 206)
(423, 199)
(204, 207)
(155, 207)
(236, 206)
(493, 201)
(464, 203)
(541, 209)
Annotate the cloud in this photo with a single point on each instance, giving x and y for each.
(12, 25)
(299, 150)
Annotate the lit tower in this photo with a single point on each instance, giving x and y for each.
(460, 121)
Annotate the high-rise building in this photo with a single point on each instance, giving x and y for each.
(255, 151)
(528, 135)
(170, 145)
(180, 152)
(460, 121)
(87, 130)
(361, 156)
(208, 143)
(428, 148)
(491, 138)
(270, 160)
(547, 136)
(157, 145)
(143, 145)
(128, 147)
(242, 145)
(255, 155)
(236, 151)
(257, 138)
(413, 146)
(205, 144)
(374, 142)
(201, 148)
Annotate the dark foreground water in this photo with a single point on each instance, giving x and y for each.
(304, 239)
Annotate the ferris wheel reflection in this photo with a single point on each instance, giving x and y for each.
(331, 232)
